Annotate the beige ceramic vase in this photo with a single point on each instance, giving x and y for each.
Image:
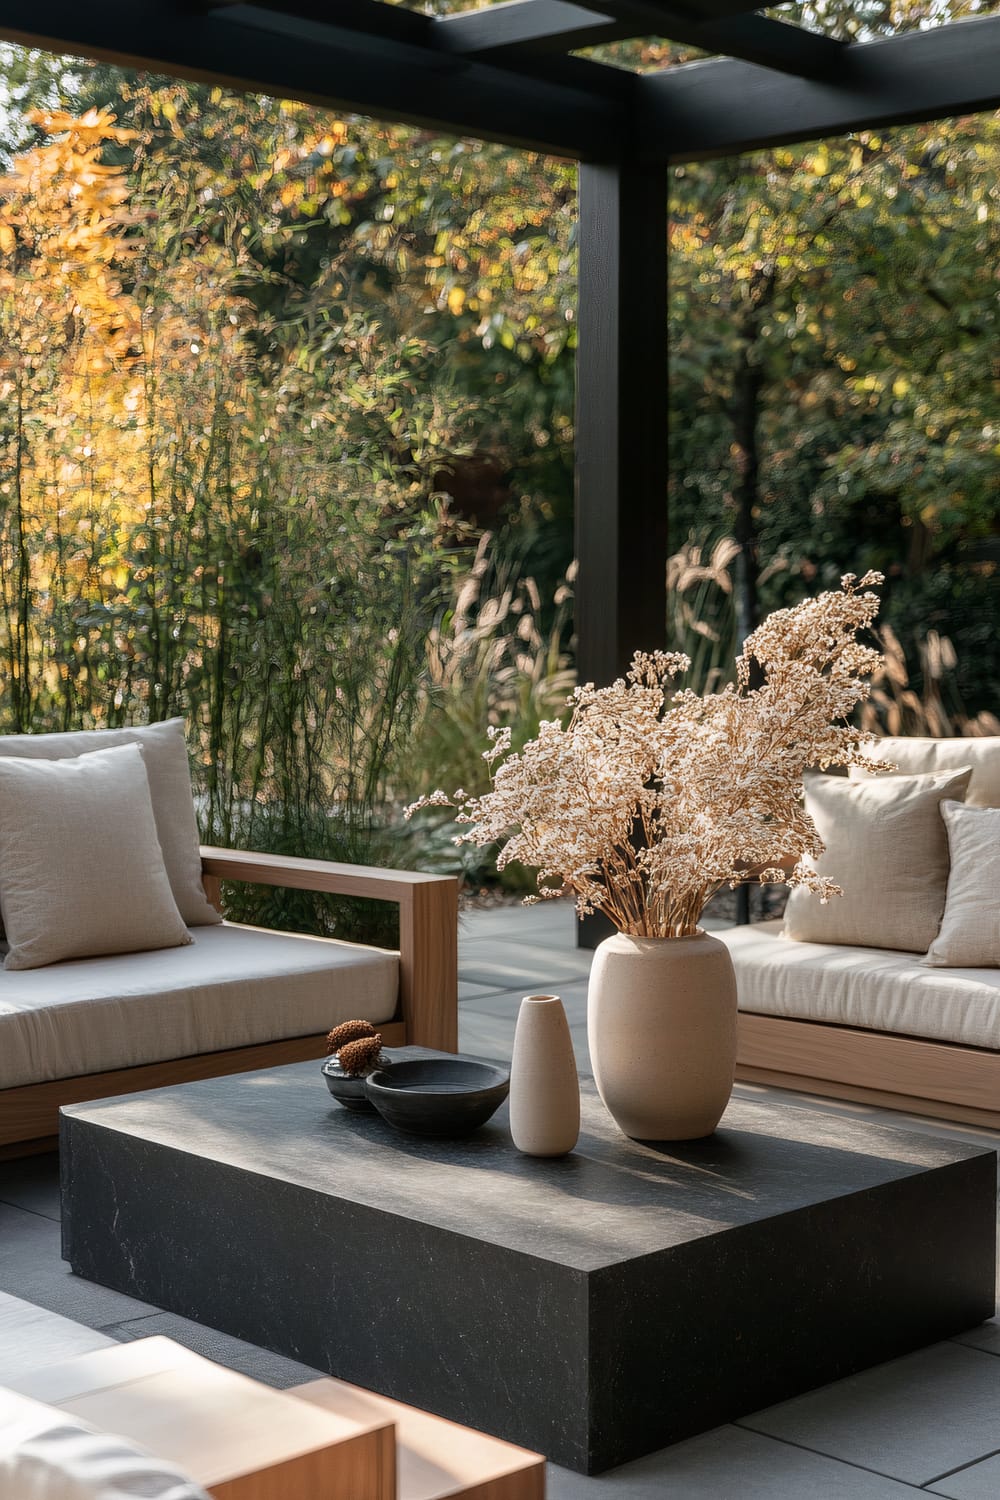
(661, 1024)
(544, 1088)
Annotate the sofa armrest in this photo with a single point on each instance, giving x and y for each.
(428, 925)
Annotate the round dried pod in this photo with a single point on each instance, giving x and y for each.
(360, 1057)
(348, 1031)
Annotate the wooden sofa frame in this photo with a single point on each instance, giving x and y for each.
(427, 1012)
(940, 1079)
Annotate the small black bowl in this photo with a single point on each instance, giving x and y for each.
(347, 1088)
(442, 1096)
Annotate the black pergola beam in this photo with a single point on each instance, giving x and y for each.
(516, 29)
(393, 21)
(527, 25)
(723, 108)
(326, 65)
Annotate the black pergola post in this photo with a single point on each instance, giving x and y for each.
(621, 426)
(621, 416)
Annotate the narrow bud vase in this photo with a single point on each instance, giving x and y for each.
(544, 1088)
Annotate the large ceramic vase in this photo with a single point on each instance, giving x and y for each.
(661, 1024)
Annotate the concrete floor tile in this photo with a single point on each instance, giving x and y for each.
(31, 1267)
(729, 1464)
(503, 1005)
(557, 916)
(519, 973)
(507, 1002)
(986, 1336)
(468, 992)
(980, 1482)
(914, 1418)
(485, 1036)
(260, 1364)
(32, 1183)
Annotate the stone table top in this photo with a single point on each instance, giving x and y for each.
(610, 1201)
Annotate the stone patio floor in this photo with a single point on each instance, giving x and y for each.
(929, 1422)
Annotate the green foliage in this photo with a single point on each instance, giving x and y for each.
(267, 374)
(836, 302)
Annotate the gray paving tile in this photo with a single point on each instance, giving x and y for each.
(519, 973)
(507, 1002)
(485, 1036)
(914, 1418)
(980, 1482)
(31, 1267)
(545, 916)
(32, 1183)
(986, 1336)
(470, 992)
(729, 1464)
(236, 1354)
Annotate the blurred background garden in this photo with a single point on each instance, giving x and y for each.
(286, 434)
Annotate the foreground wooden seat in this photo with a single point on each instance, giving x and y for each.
(244, 1441)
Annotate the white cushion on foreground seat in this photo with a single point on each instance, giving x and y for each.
(46, 1454)
(871, 988)
(233, 986)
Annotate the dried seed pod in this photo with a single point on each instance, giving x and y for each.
(360, 1057)
(348, 1031)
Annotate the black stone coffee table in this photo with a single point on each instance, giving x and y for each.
(592, 1308)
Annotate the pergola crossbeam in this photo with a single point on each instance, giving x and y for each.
(244, 47)
(525, 25)
(517, 28)
(723, 108)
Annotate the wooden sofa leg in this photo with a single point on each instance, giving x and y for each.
(428, 963)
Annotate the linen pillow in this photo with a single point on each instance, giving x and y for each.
(48, 1454)
(886, 845)
(81, 869)
(916, 755)
(166, 760)
(970, 928)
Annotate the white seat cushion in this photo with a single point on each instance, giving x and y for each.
(871, 988)
(49, 1454)
(232, 986)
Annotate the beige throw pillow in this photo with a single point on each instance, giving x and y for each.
(914, 755)
(970, 928)
(886, 846)
(166, 762)
(81, 869)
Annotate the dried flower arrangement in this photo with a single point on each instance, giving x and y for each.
(357, 1046)
(648, 801)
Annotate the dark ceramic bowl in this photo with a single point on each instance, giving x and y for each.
(348, 1089)
(442, 1096)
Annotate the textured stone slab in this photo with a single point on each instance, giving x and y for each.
(594, 1308)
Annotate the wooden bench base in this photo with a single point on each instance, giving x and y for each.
(29, 1116)
(939, 1079)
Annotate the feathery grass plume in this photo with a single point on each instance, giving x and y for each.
(896, 705)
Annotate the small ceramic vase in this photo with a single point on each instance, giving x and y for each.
(544, 1088)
